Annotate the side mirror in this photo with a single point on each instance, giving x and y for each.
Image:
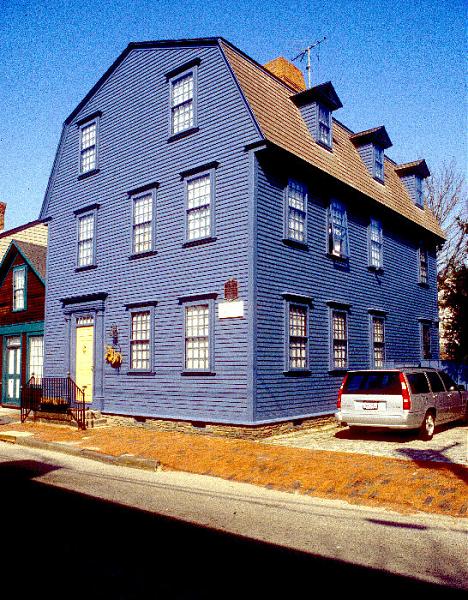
(461, 388)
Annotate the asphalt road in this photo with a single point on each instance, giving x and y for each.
(78, 528)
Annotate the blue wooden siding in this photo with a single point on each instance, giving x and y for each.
(310, 272)
(134, 151)
(366, 152)
(410, 183)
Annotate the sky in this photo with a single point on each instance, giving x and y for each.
(398, 63)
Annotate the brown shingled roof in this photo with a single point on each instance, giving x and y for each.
(281, 123)
(35, 255)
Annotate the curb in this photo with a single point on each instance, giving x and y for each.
(123, 461)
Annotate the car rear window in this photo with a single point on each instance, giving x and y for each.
(418, 383)
(373, 382)
(435, 381)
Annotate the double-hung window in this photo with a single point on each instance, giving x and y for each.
(197, 337)
(296, 212)
(88, 146)
(426, 349)
(36, 357)
(337, 230)
(339, 339)
(378, 163)
(423, 278)
(199, 209)
(378, 341)
(182, 103)
(298, 337)
(140, 341)
(19, 288)
(142, 230)
(86, 240)
(419, 191)
(324, 125)
(375, 244)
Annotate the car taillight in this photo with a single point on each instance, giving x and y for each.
(405, 393)
(340, 392)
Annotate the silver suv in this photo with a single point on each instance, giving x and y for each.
(407, 398)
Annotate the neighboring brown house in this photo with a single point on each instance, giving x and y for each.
(22, 294)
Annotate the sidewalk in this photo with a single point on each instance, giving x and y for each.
(401, 485)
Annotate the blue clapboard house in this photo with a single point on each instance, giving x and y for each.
(222, 249)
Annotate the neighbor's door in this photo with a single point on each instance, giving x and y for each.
(12, 372)
(85, 357)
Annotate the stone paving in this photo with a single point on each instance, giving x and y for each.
(449, 444)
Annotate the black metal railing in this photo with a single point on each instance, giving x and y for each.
(53, 394)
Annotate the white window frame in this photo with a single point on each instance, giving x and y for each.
(147, 225)
(189, 102)
(375, 244)
(94, 147)
(379, 163)
(293, 337)
(335, 341)
(337, 238)
(82, 242)
(31, 339)
(377, 344)
(199, 209)
(423, 265)
(19, 288)
(145, 344)
(208, 305)
(294, 213)
(324, 124)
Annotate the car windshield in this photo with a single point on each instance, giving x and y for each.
(373, 382)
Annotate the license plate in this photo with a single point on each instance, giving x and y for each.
(370, 405)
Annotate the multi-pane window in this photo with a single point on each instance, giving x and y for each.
(419, 191)
(86, 240)
(339, 339)
(140, 340)
(36, 356)
(378, 341)
(379, 162)
(19, 288)
(296, 212)
(337, 230)
(298, 337)
(422, 265)
(324, 123)
(197, 337)
(88, 147)
(375, 244)
(182, 103)
(198, 223)
(426, 340)
(143, 224)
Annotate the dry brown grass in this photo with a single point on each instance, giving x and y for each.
(402, 485)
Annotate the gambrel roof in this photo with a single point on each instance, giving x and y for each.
(279, 122)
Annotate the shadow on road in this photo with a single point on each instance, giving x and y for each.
(69, 545)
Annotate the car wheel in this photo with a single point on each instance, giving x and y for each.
(427, 427)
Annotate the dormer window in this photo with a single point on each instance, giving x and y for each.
(324, 125)
(378, 163)
(412, 175)
(371, 145)
(316, 106)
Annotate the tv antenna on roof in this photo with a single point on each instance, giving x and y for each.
(305, 52)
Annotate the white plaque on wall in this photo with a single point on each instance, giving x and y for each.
(231, 310)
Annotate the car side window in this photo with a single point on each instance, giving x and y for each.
(418, 383)
(435, 381)
(449, 382)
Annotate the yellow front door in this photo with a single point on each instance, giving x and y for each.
(85, 360)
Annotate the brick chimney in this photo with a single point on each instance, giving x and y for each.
(289, 73)
(2, 215)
